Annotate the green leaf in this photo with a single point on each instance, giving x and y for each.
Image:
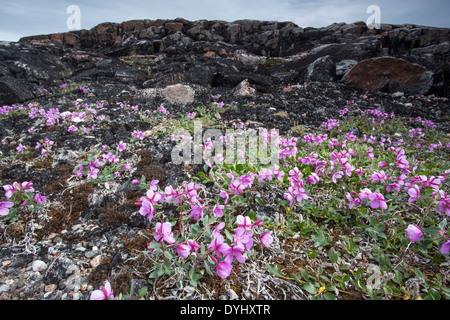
(208, 269)
(274, 269)
(195, 230)
(309, 287)
(252, 215)
(259, 201)
(154, 245)
(334, 255)
(142, 292)
(154, 274)
(169, 254)
(329, 296)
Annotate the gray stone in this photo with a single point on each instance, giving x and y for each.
(322, 70)
(344, 66)
(39, 265)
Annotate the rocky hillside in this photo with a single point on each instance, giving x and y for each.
(122, 87)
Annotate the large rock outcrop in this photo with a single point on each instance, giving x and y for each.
(269, 54)
(390, 75)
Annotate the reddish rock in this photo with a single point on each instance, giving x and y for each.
(390, 75)
(173, 27)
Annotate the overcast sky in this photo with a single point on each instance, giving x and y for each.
(21, 18)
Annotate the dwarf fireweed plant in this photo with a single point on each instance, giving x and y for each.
(204, 236)
(103, 164)
(366, 170)
(21, 200)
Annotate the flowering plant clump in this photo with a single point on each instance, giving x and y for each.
(351, 176)
(364, 191)
(214, 240)
(21, 199)
(103, 164)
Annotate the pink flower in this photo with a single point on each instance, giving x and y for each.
(313, 178)
(218, 245)
(413, 232)
(242, 237)
(414, 193)
(154, 185)
(364, 194)
(382, 164)
(164, 232)
(138, 135)
(193, 246)
(121, 146)
(338, 174)
(359, 171)
(236, 187)
(105, 293)
(378, 177)
(152, 196)
(39, 198)
(217, 229)
(4, 207)
(243, 222)
(147, 210)
(217, 211)
(20, 148)
(393, 186)
(289, 195)
(378, 201)
(300, 193)
(191, 115)
(183, 250)
(265, 174)
(444, 204)
(266, 239)
(445, 248)
(351, 200)
(224, 195)
(9, 190)
(72, 128)
(197, 212)
(93, 173)
(234, 252)
(223, 269)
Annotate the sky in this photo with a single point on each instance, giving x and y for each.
(22, 18)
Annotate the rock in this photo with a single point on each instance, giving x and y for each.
(186, 94)
(397, 94)
(39, 265)
(178, 94)
(323, 70)
(344, 66)
(15, 90)
(390, 75)
(439, 49)
(173, 27)
(244, 90)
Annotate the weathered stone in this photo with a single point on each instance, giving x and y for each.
(178, 94)
(173, 27)
(322, 69)
(344, 66)
(390, 75)
(244, 90)
(15, 91)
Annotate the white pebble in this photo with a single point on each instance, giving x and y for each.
(39, 265)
